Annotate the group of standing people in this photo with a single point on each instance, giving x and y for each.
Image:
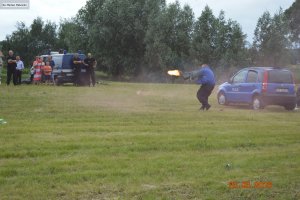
(15, 66)
(41, 71)
(90, 64)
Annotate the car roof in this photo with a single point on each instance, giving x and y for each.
(61, 54)
(265, 68)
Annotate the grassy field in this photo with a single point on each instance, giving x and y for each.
(142, 141)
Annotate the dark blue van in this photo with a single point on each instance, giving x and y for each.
(63, 71)
(259, 87)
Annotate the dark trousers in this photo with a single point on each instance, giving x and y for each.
(11, 72)
(91, 73)
(19, 77)
(203, 93)
(77, 77)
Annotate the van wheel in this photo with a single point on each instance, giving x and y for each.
(257, 103)
(222, 99)
(290, 106)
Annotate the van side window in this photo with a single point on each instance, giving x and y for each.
(240, 77)
(252, 77)
(280, 76)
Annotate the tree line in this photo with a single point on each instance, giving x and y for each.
(134, 37)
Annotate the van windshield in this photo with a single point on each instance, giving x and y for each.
(280, 76)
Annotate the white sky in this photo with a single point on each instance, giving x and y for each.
(245, 12)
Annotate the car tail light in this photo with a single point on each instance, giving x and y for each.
(265, 82)
(294, 84)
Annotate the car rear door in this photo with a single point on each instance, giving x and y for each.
(280, 82)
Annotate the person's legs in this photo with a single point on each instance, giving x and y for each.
(15, 77)
(0, 73)
(19, 77)
(93, 77)
(77, 78)
(201, 95)
(209, 89)
(88, 77)
(8, 76)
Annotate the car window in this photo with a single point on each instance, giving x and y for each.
(58, 61)
(252, 77)
(240, 77)
(280, 76)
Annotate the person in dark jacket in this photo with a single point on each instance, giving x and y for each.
(77, 62)
(206, 79)
(11, 68)
(90, 64)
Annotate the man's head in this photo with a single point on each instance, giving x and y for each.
(49, 58)
(47, 63)
(10, 53)
(204, 65)
(89, 55)
(76, 55)
(18, 58)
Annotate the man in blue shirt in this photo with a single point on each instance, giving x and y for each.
(207, 80)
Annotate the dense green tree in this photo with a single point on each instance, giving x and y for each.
(116, 31)
(293, 17)
(271, 39)
(72, 36)
(41, 36)
(235, 53)
(168, 39)
(31, 41)
(217, 41)
(18, 42)
(205, 37)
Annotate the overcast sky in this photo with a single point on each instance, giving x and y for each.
(245, 12)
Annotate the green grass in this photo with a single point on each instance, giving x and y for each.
(141, 141)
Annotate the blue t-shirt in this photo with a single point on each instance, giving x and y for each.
(206, 76)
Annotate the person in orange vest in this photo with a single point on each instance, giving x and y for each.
(47, 72)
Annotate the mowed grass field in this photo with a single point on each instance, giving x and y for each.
(142, 141)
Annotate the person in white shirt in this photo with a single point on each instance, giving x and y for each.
(19, 69)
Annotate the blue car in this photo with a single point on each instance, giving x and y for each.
(63, 71)
(259, 87)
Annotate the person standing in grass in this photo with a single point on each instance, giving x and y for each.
(90, 64)
(207, 80)
(11, 68)
(52, 64)
(1, 64)
(77, 69)
(47, 72)
(19, 69)
(38, 65)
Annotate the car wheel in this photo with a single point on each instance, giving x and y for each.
(290, 106)
(222, 99)
(257, 103)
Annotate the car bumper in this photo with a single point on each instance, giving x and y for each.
(279, 99)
